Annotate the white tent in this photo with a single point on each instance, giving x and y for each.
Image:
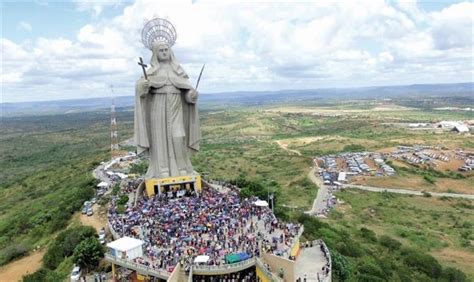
(461, 128)
(261, 203)
(103, 184)
(201, 259)
(126, 248)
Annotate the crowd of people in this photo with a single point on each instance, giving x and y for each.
(176, 230)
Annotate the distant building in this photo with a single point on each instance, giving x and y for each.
(341, 177)
(462, 128)
(448, 124)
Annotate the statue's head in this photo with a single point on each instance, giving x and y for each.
(162, 51)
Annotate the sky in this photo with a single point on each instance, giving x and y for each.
(54, 50)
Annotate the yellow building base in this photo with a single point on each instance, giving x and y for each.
(160, 185)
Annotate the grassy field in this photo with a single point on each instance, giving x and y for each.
(440, 226)
(45, 172)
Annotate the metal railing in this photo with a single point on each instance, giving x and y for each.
(286, 254)
(225, 268)
(325, 277)
(137, 266)
(269, 274)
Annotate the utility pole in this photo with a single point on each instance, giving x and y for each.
(113, 128)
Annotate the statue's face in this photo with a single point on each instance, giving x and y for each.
(163, 53)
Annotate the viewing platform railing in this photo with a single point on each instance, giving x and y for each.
(268, 273)
(138, 267)
(223, 269)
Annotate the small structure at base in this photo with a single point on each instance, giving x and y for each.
(126, 248)
(261, 203)
(156, 186)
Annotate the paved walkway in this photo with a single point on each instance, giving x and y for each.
(310, 262)
(408, 192)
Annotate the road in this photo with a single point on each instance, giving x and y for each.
(99, 173)
(320, 202)
(408, 192)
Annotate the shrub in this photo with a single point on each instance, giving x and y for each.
(453, 275)
(426, 194)
(350, 248)
(368, 234)
(371, 269)
(354, 148)
(422, 262)
(122, 200)
(429, 178)
(341, 269)
(389, 243)
(65, 243)
(12, 252)
(88, 253)
(139, 168)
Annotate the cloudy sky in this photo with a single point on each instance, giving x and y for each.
(62, 50)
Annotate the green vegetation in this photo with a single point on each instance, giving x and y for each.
(76, 244)
(45, 171)
(88, 253)
(399, 232)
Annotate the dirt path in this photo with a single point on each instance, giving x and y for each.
(14, 271)
(284, 146)
(96, 220)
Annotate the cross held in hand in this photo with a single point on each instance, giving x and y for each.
(143, 65)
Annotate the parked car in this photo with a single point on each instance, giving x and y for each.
(84, 210)
(102, 238)
(76, 273)
(102, 231)
(94, 200)
(90, 212)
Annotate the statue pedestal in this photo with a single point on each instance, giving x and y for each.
(156, 186)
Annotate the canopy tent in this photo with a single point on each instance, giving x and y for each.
(201, 259)
(261, 203)
(126, 248)
(233, 258)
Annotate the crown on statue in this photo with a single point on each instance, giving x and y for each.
(158, 30)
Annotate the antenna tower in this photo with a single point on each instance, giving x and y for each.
(114, 147)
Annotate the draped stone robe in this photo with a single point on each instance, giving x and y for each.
(166, 123)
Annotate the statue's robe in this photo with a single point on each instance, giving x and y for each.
(166, 123)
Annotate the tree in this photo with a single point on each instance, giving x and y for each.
(65, 243)
(88, 253)
(341, 269)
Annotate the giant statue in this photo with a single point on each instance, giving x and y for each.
(166, 114)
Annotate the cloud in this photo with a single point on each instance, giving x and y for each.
(94, 6)
(453, 26)
(248, 46)
(24, 26)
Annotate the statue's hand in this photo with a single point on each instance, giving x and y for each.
(145, 87)
(192, 96)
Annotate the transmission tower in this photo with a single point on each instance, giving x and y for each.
(114, 147)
